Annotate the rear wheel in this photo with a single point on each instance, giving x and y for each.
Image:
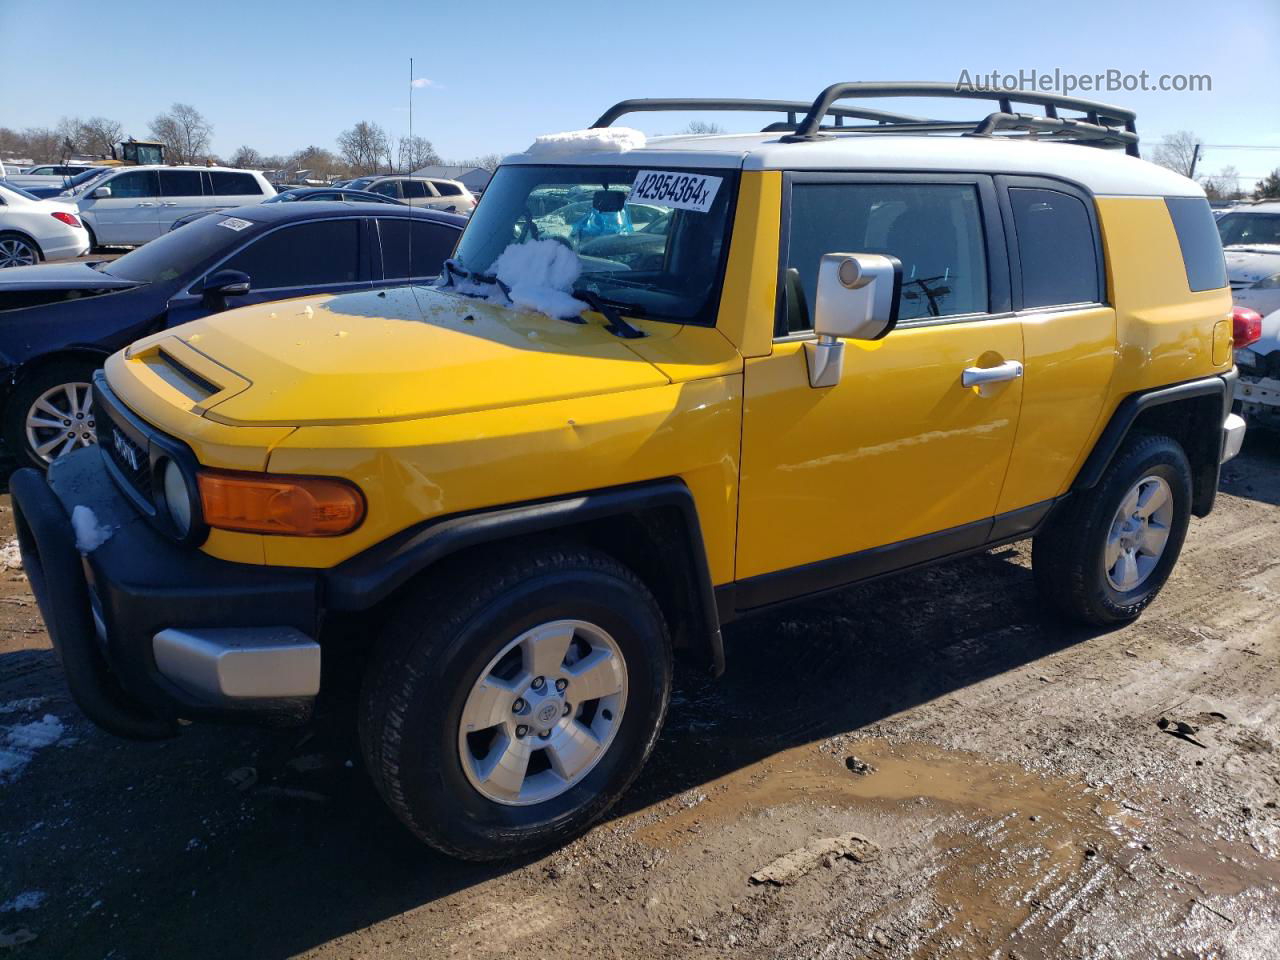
(51, 412)
(17, 251)
(511, 706)
(1106, 555)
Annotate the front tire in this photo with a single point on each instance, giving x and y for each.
(51, 412)
(512, 704)
(1106, 554)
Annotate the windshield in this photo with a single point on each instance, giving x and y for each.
(93, 173)
(1250, 228)
(359, 184)
(83, 182)
(651, 242)
(173, 254)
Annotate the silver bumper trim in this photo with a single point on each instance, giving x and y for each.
(248, 663)
(1232, 436)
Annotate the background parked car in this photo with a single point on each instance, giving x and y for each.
(130, 205)
(1251, 241)
(420, 191)
(65, 185)
(58, 322)
(32, 230)
(302, 193)
(44, 175)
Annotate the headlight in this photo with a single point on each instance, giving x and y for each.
(177, 498)
(1267, 283)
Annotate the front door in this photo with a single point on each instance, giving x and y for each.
(900, 454)
(131, 215)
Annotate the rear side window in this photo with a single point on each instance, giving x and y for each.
(1055, 247)
(227, 184)
(414, 189)
(1201, 246)
(432, 242)
(306, 255)
(934, 229)
(180, 183)
(446, 189)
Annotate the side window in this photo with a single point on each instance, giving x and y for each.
(228, 184)
(180, 183)
(388, 188)
(432, 243)
(308, 254)
(414, 189)
(135, 183)
(446, 189)
(1056, 248)
(1201, 245)
(935, 229)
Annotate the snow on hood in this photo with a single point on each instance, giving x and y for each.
(1249, 263)
(572, 142)
(540, 275)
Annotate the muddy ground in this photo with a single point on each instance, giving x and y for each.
(1011, 773)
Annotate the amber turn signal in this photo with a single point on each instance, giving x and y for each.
(290, 506)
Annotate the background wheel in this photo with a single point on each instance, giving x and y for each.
(1108, 552)
(510, 706)
(51, 412)
(17, 251)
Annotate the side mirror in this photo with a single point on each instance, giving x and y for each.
(101, 192)
(857, 299)
(223, 284)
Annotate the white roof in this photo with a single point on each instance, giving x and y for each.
(1108, 172)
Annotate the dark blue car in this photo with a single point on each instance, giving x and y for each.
(58, 322)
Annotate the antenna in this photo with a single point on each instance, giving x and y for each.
(411, 153)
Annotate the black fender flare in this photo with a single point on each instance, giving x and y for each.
(368, 578)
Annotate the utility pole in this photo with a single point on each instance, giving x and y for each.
(1195, 158)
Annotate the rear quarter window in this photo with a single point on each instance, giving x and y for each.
(1201, 246)
(228, 184)
(1055, 248)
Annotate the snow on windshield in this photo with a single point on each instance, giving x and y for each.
(600, 140)
(540, 274)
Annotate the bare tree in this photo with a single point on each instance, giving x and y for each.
(184, 131)
(1178, 152)
(100, 135)
(364, 147)
(1269, 187)
(488, 161)
(317, 162)
(44, 144)
(70, 137)
(416, 153)
(1224, 185)
(247, 158)
(702, 128)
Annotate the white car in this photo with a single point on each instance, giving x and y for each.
(1258, 389)
(131, 205)
(1251, 242)
(34, 230)
(448, 195)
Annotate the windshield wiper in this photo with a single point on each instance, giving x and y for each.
(617, 324)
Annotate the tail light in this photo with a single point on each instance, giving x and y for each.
(1246, 326)
(70, 219)
(292, 506)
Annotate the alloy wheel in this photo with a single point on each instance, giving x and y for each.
(15, 252)
(60, 420)
(1139, 533)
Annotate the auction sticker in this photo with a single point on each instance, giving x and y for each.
(234, 223)
(685, 191)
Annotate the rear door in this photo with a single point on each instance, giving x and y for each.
(131, 215)
(424, 244)
(233, 188)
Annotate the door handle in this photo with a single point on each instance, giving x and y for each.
(981, 376)
(144, 203)
(169, 203)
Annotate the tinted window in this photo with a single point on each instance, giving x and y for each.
(414, 189)
(1249, 228)
(226, 184)
(1055, 245)
(1198, 237)
(432, 243)
(135, 183)
(446, 189)
(388, 188)
(308, 254)
(934, 229)
(180, 183)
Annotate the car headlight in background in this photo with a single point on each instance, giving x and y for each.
(1267, 283)
(177, 497)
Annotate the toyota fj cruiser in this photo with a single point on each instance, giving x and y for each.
(851, 344)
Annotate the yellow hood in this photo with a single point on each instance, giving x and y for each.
(399, 354)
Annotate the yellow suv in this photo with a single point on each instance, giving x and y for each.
(663, 384)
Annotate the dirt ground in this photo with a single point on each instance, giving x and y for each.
(1018, 792)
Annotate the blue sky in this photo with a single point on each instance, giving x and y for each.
(278, 76)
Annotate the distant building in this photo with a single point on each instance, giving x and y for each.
(474, 179)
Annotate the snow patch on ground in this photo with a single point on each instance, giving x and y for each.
(601, 140)
(10, 557)
(90, 534)
(540, 275)
(29, 900)
(23, 741)
(23, 704)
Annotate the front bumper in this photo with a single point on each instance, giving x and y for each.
(150, 631)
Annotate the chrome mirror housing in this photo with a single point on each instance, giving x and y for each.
(857, 299)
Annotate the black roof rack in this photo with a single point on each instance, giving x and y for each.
(1100, 124)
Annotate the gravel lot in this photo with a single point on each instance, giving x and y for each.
(1019, 796)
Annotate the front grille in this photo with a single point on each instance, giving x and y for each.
(131, 461)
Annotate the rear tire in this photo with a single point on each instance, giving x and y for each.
(464, 729)
(1108, 551)
(17, 250)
